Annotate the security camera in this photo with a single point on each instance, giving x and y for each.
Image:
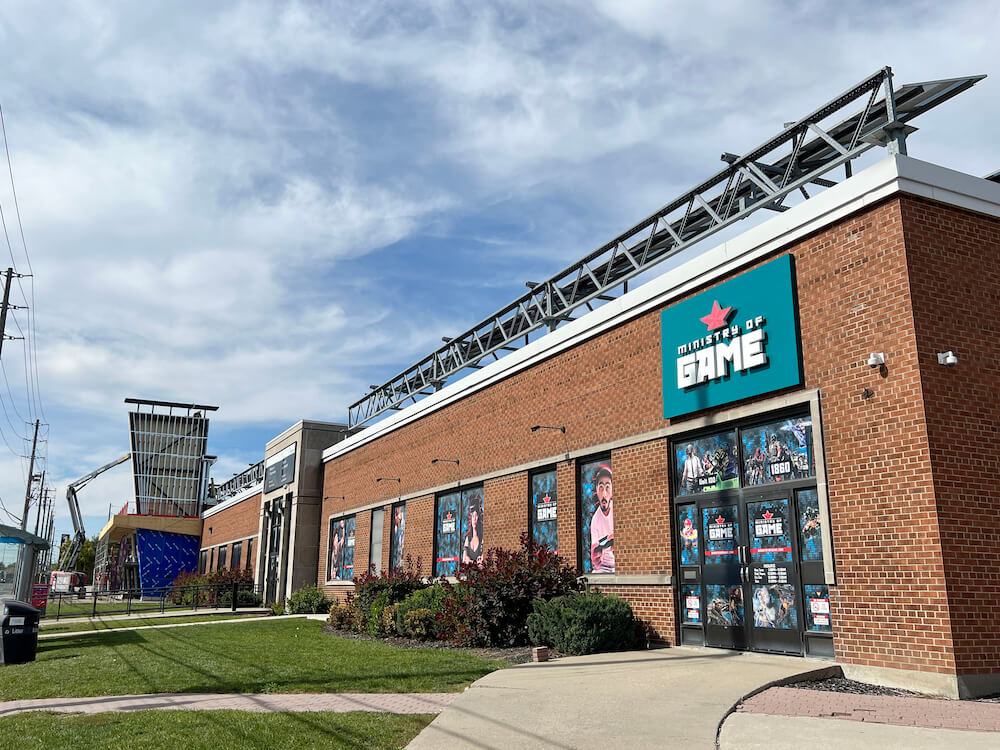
(948, 359)
(876, 360)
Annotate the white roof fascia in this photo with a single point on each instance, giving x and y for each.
(894, 174)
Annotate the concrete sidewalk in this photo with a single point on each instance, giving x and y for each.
(660, 698)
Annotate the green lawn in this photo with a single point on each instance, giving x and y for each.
(134, 622)
(267, 656)
(210, 730)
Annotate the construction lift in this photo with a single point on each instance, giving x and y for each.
(65, 579)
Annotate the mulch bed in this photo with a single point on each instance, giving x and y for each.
(843, 685)
(515, 655)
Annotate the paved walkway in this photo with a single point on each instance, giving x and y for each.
(672, 697)
(393, 703)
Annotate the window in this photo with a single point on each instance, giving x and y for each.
(542, 513)
(707, 464)
(249, 553)
(237, 559)
(203, 561)
(211, 560)
(458, 530)
(778, 451)
(222, 558)
(397, 536)
(340, 552)
(597, 516)
(375, 543)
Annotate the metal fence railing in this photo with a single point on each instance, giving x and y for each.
(154, 599)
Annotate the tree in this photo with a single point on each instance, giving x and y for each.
(85, 558)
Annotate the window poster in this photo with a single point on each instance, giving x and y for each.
(472, 525)
(774, 606)
(340, 561)
(446, 556)
(687, 529)
(817, 607)
(544, 527)
(778, 451)
(770, 540)
(722, 533)
(725, 606)
(707, 464)
(597, 517)
(397, 536)
(810, 528)
(691, 604)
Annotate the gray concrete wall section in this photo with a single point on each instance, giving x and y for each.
(673, 697)
(300, 557)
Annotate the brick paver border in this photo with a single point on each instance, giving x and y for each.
(930, 713)
(393, 703)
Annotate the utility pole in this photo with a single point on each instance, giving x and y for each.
(41, 499)
(31, 469)
(3, 310)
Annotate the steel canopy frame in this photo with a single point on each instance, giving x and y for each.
(797, 157)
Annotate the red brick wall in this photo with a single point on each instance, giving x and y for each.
(234, 523)
(954, 259)
(891, 606)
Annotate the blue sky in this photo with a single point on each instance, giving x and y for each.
(270, 206)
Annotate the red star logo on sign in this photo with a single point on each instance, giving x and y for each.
(546, 499)
(720, 520)
(718, 317)
(448, 516)
(767, 515)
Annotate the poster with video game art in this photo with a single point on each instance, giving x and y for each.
(691, 605)
(544, 526)
(472, 525)
(817, 607)
(397, 536)
(724, 606)
(706, 464)
(341, 563)
(687, 532)
(770, 535)
(778, 451)
(774, 606)
(447, 551)
(810, 527)
(722, 532)
(597, 517)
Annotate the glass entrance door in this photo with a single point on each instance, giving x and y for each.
(725, 620)
(771, 575)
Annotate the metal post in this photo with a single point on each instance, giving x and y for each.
(93, 612)
(31, 469)
(236, 586)
(41, 502)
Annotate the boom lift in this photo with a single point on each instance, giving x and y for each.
(68, 557)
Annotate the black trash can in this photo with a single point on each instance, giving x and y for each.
(18, 632)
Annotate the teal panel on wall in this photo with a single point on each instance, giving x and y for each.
(736, 340)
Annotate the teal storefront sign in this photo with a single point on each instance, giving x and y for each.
(737, 340)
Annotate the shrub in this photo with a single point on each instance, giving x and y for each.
(341, 617)
(389, 619)
(277, 608)
(420, 623)
(308, 600)
(431, 599)
(374, 592)
(244, 598)
(584, 624)
(490, 603)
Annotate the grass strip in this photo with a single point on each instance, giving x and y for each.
(133, 622)
(263, 656)
(138, 730)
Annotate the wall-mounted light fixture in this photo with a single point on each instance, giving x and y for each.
(876, 360)
(948, 358)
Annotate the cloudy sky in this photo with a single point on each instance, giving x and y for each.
(268, 206)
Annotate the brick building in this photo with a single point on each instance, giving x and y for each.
(769, 447)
